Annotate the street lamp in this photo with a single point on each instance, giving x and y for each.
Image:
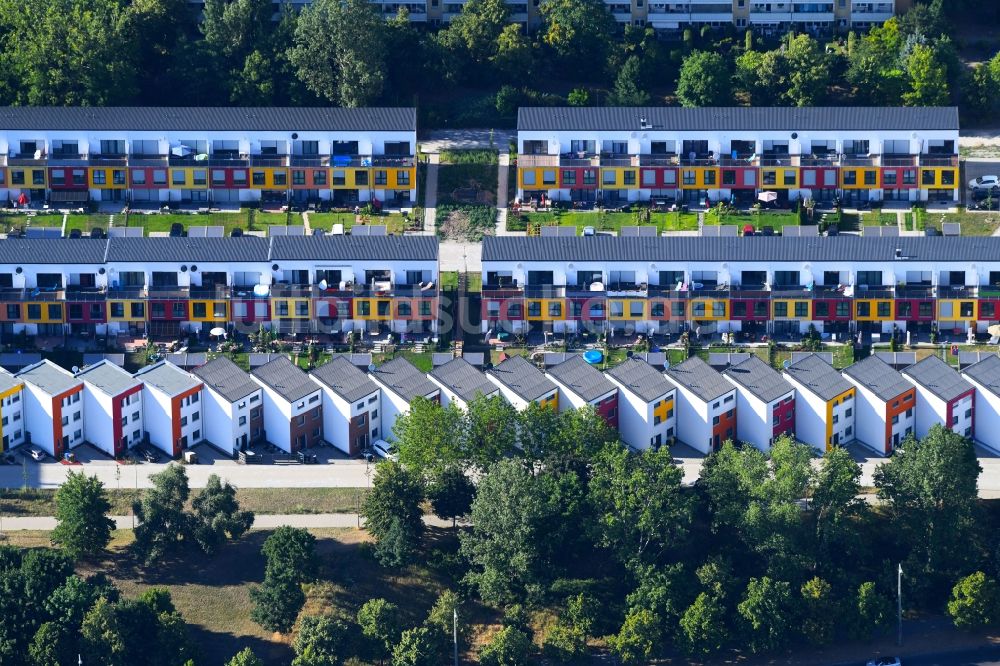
(899, 605)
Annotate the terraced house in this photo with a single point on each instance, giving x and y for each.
(704, 155)
(200, 155)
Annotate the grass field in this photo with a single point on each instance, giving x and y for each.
(603, 221)
(973, 223)
(9, 222)
(758, 220)
(87, 222)
(161, 222)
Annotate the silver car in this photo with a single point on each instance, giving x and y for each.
(385, 450)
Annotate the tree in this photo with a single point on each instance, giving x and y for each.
(767, 611)
(82, 508)
(580, 32)
(217, 516)
(340, 51)
(392, 509)
(429, 437)
(762, 75)
(704, 80)
(475, 32)
(130, 632)
(639, 637)
(291, 550)
(872, 611)
(507, 647)
(245, 657)
(162, 523)
(68, 604)
(321, 640)
(52, 645)
(578, 97)
(491, 430)
(874, 69)
(380, 623)
(440, 621)
(564, 643)
(973, 603)
(451, 493)
(927, 77)
(819, 611)
(416, 647)
(515, 58)
(626, 91)
(836, 507)
(808, 71)
(703, 625)
(277, 601)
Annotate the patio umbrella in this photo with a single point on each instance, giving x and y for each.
(767, 197)
(23, 199)
(218, 331)
(747, 229)
(994, 330)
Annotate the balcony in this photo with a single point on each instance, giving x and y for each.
(310, 160)
(698, 160)
(579, 160)
(627, 289)
(883, 292)
(957, 291)
(67, 159)
(778, 160)
(34, 294)
(396, 161)
(610, 160)
(108, 159)
(167, 292)
(819, 160)
(793, 291)
(244, 291)
(147, 159)
(285, 290)
(26, 160)
(544, 291)
(212, 160)
(212, 292)
(658, 159)
(897, 160)
(269, 160)
(83, 294)
(859, 160)
(128, 293)
(915, 291)
(538, 160)
(812, 17)
(937, 160)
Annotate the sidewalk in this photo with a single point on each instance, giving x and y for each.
(431, 194)
(261, 522)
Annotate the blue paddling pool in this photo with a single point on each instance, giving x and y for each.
(593, 357)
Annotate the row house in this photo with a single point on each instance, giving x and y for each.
(581, 384)
(171, 407)
(646, 405)
(765, 401)
(522, 384)
(885, 408)
(170, 287)
(52, 407)
(706, 412)
(232, 404)
(943, 397)
(751, 286)
(351, 403)
(293, 405)
(11, 411)
(705, 155)
(401, 383)
(112, 408)
(985, 377)
(158, 155)
(461, 383)
(824, 411)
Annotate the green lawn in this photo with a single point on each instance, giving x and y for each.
(876, 218)
(161, 222)
(325, 221)
(973, 223)
(604, 221)
(759, 220)
(449, 280)
(87, 222)
(8, 222)
(263, 220)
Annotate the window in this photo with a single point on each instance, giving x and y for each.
(850, 178)
(176, 178)
(298, 177)
(403, 178)
(780, 309)
(629, 177)
(58, 176)
(280, 178)
(382, 177)
(925, 309)
(789, 177)
(801, 309)
(608, 177)
(361, 178)
(243, 420)
(100, 177)
(590, 176)
(569, 177)
(709, 177)
(258, 177)
(319, 177)
(889, 178)
(555, 309)
(159, 176)
(871, 177)
(927, 177)
(689, 177)
(648, 178)
(239, 177)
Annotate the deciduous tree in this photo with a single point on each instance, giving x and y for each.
(704, 80)
(974, 602)
(82, 508)
(217, 515)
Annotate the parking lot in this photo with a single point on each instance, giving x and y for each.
(976, 169)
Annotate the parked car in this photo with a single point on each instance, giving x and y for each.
(385, 450)
(885, 661)
(985, 183)
(36, 454)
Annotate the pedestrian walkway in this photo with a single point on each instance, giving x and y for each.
(305, 223)
(503, 176)
(261, 522)
(430, 194)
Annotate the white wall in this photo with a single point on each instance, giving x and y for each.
(157, 417)
(98, 419)
(987, 415)
(810, 416)
(13, 412)
(930, 410)
(694, 425)
(635, 417)
(869, 417)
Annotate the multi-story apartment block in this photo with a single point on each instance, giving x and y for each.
(52, 407)
(885, 409)
(765, 402)
(824, 410)
(11, 411)
(754, 286)
(985, 376)
(461, 383)
(351, 403)
(200, 155)
(521, 384)
(943, 397)
(646, 414)
(232, 404)
(112, 408)
(581, 384)
(706, 405)
(167, 287)
(293, 405)
(705, 155)
(171, 407)
(401, 384)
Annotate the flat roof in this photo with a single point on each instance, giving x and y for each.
(523, 378)
(167, 378)
(938, 377)
(642, 379)
(226, 378)
(403, 379)
(108, 377)
(818, 377)
(759, 378)
(49, 377)
(464, 379)
(878, 377)
(285, 378)
(344, 378)
(581, 378)
(700, 378)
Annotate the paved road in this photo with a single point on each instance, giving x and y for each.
(261, 522)
(984, 656)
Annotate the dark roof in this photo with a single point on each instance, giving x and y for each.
(285, 378)
(581, 378)
(878, 377)
(344, 378)
(641, 378)
(818, 376)
(464, 379)
(234, 119)
(700, 378)
(938, 377)
(753, 248)
(226, 378)
(18, 251)
(187, 249)
(404, 380)
(108, 377)
(521, 377)
(49, 377)
(168, 378)
(352, 248)
(987, 373)
(759, 378)
(736, 119)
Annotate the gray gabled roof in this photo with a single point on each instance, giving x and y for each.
(700, 378)
(344, 378)
(521, 377)
(285, 378)
(108, 378)
(399, 376)
(642, 379)
(226, 378)
(49, 377)
(207, 118)
(878, 377)
(581, 378)
(818, 377)
(187, 249)
(744, 248)
(23, 251)
(938, 377)
(8, 381)
(735, 119)
(354, 248)
(464, 379)
(759, 378)
(167, 378)
(987, 373)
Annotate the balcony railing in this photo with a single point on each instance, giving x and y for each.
(210, 161)
(544, 291)
(167, 291)
(859, 160)
(127, 293)
(218, 292)
(147, 159)
(538, 160)
(397, 161)
(67, 159)
(619, 160)
(105, 159)
(915, 291)
(310, 160)
(939, 160)
(26, 160)
(898, 160)
(658, 159)
(579, 160)
(274, 160)
(77, 293)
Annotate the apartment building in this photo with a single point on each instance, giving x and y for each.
(232, 404)
(401, 384)
(293, 405)
(700, 156)
(171, 407)
(461, 383)
(112, 408)
(188, 155)
(52, 407)
(171, 287)
(351, 404)
(985, 377)
(646, 414)
(581, 384)
(765, 402)
(706, 405)
(824, 409)
(885, 409)
(11, 411)
(943, 397)
(749, 286)
(522, 384)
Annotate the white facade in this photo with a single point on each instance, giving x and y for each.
(756, 417)
(12, 417)
(638, 425)
(696, 418)
(987, 414)
(227, 423)
(338, 414)
(99, 418)
(932, 410)
(279, 413)
(41, 408)
(870, 416)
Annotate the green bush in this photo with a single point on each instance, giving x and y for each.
(476, 156)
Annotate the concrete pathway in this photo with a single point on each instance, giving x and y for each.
(305, 223)
(261, 522)
(431, 194)
(466, 139)
(503, 176)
